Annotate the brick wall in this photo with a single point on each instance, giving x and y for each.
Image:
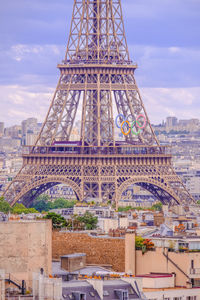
(105, 251)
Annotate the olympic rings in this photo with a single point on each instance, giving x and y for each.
(126, 121)
(122, 128)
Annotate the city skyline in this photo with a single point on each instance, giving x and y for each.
(162, 38)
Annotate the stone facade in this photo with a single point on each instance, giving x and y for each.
(121, 255)
(105, 251)
(25, 247)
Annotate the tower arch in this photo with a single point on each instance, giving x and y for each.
(161, 190)
(33, 189)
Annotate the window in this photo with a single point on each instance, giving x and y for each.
(82, 297)
(122, 294)
(191, 298)
(125, 295)
(105, 293)
(177, 298)
(78, 296)
(192, 264)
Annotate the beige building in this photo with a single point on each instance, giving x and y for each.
(25, 247)
(106, 224)
(162, 286)
(31, 138)
(186, 265)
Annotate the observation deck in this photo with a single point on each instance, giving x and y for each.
(95, 151)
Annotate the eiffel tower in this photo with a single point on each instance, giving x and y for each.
(97, 72)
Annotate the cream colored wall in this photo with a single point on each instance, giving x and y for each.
(25, 247)
(2, 285)
(107, 224)
(123, 222)
(110, 224)
(130, 253)
(173, 293)
(158, 283)
(155, 261)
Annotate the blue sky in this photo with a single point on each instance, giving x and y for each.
(163, 38)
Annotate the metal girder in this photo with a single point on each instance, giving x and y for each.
(99, 178)
(97, 32)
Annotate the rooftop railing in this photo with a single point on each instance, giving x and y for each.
(195, 271)
(94, 150)
(99, 61)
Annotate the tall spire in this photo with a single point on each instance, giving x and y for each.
(97, 33)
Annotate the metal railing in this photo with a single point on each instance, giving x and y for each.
(84, 150)
(10, 278)
(195, 271)
(98, 61)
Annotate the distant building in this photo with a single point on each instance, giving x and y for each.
(29, 131)
(171, 121)
(13, 131)
(193, 186)
(61, 191)
(24, 131)
(31, 138)
(9, 142)
(1, 129)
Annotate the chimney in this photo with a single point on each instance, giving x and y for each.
(130, 252)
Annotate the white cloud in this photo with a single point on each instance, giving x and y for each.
(180, 102)
(22, 51)
(174, 49)
(20, 102)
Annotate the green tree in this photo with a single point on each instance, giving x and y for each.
(40, 206)
(127, 208)
(4, 206)
(139, 242)
(62, 203)
(19, 208)
(42, 197)
(42, 203)
(74, 223)
(157, 206)
(57, 220)
(89, 220)
(143, 244)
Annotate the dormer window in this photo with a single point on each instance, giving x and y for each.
(122, 294)
(79, 296)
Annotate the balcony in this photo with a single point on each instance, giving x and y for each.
(75, 150)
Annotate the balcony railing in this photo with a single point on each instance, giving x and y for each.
(92, 150)
(195, 271)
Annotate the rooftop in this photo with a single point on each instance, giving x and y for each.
(73, 255)
(156, 275)
(88, 270)
(111, 288)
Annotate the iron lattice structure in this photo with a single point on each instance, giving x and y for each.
(97, 71)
